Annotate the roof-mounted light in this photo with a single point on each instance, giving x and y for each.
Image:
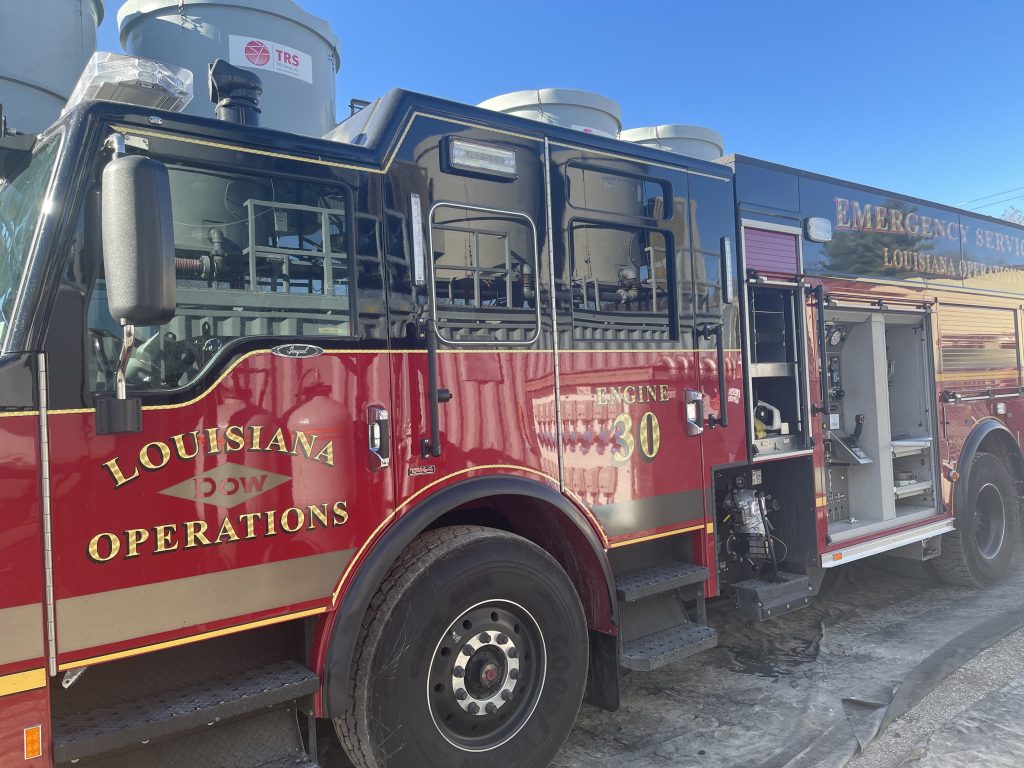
(131, 80)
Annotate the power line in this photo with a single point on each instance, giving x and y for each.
(986, 197)
(997, 202)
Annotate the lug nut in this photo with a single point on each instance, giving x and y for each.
(506, 695)
(458, 672)
(513, 674)
(513, 652)
(467, 649)
(490, 708)
(484, 637)
(461, 694)
(473, 708)
(502, 639)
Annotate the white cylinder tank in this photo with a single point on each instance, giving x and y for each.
(294, 52)
(45, 45)
(579, 110)
(690, 140)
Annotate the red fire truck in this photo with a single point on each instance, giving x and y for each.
(430, 428)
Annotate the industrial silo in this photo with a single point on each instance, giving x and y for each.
(691, 140)
(294, 52)
(45, 44)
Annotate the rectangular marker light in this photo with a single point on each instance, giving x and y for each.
(478, 157)
(33, 742)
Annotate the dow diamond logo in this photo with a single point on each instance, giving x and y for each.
(227, 485)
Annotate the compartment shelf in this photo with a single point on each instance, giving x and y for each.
(910, 446)
(913, 489)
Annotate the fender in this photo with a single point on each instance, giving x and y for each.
(347, 620)
(984, 429)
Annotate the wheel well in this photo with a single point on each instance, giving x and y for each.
(547, 527)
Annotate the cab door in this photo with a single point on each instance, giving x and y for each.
(262, 463)
(638, 382)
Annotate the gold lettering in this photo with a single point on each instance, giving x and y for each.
(340, 513)
(113, 545)
(664, 393)
(212, 441)
(861, 218)
(162, 538)
(602, 396)
(179, 446)
(300, 438)
(116, 473)
(912, 227)
(195, 534)
(842, 213)
(320, 515)
(895, 220)
(276, 443)
(271, 529)
(226, 530)
(146, 460)
(234, 438)
(880, 214)
(300, 519)
(326, 455)
(134, 537)
(629, 394)
(249, 518)
(254, 443)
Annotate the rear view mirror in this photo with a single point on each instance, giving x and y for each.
(138, 241)
(138, 264)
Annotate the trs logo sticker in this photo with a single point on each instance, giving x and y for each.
(256, 53)
(227, 485)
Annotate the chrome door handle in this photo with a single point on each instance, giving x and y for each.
(379, 436)
(694, 404)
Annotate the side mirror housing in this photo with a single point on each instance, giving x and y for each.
(138, 241)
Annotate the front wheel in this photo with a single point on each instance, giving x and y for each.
(473, 652)
(979, 552)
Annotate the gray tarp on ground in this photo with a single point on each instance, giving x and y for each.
(805, 689)
(990, 733)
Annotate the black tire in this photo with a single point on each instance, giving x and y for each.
(523, 615)
(979, 552)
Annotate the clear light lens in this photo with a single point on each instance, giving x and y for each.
(479, 157)
(131, 80)
(819, 230)
(1000, 409)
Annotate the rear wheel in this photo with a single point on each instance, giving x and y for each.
(978, 553)
(473, 652)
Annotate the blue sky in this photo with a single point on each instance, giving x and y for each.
(924, 97)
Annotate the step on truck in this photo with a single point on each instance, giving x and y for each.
(428, 429)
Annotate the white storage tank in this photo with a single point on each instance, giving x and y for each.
(294, 52)
(579, 110)
(45, 44)
(690, 140)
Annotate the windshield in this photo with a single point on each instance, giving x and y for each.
(21, 199)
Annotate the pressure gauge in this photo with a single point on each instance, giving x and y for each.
(835, 337)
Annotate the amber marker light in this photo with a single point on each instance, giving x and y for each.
(33, 742)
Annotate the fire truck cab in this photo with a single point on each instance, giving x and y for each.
(430, 427)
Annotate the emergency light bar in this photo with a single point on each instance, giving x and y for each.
(131, 80)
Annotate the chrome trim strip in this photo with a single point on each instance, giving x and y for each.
(44, 472)
(552, 295)
(893, 541)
